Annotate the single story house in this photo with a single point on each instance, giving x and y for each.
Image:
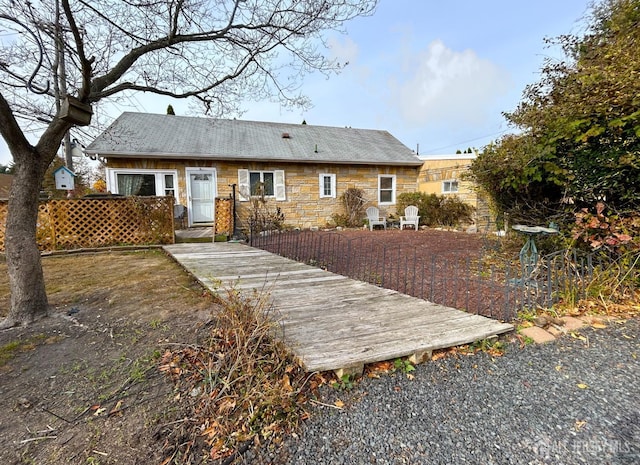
(444, 175)
(301, 169)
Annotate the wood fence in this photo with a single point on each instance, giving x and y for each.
(224, 216)
(83, 223)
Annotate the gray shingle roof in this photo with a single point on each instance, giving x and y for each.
(167, 136)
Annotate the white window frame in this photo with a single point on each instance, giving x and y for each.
(112, 179)
(448, 184)
(164, 182)
(244, 184)
(393, 189)
(332, 185)
(262, 173)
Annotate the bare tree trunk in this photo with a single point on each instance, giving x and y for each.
(26, 279)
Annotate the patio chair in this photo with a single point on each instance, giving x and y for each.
(373, 215)
(410, 217)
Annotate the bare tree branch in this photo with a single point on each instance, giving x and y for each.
(9, 128)
(216, 52)
(84, 62)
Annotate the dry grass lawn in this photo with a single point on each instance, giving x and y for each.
(81, 386)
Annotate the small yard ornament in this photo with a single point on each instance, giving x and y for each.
(64, 178)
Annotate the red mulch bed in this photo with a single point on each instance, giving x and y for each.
(445, 267)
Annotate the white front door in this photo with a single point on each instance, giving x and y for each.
(202, 193)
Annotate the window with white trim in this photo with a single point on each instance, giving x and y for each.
(261, 183)
(169, 185)
(327, 185)
(450, 186)
(267, 183)
(386, 189)
(142, 182)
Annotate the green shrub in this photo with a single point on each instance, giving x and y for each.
(435, 210)
(455, 212)
(340, 219)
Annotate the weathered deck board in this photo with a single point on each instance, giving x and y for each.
(330, 321)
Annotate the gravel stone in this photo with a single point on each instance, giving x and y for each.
(571, 401)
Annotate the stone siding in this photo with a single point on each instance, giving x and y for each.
(303, 206)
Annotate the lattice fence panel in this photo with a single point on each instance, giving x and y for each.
(3, 222)
(78, 223)
(224, 216)
(45, 235)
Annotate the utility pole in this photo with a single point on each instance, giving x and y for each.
(62, 85)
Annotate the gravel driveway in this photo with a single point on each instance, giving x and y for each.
(572, 401)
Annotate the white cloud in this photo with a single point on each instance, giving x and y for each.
(345, 51)
(443, 86)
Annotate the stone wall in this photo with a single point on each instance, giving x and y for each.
(434, 172)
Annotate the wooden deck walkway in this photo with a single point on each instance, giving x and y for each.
(329, 321)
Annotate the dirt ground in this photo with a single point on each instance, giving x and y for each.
(82, 386)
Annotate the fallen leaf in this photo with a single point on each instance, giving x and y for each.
(226, 406)
(579, 424)
(318, 380)
(578, 336)
(410, 377)
(438, 356)
(212, 430)
(286, 383)
(100, 411)
(598, 326)
(218, 451)
(338, 403)
(582, 386)
(381, 367)
(116, 410)
(495, 352)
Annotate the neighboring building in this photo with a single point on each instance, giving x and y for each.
(444, 175)
(5, 185)
(303, 169)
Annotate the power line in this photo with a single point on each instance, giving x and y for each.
(457, 144)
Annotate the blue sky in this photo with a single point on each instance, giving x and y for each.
(432, 73)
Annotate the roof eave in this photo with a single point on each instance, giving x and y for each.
(156, 155)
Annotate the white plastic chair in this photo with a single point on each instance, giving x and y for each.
(373, 215)
(410, 217)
